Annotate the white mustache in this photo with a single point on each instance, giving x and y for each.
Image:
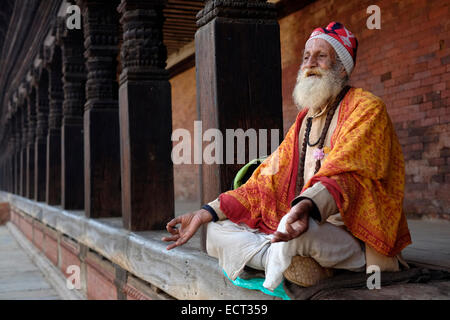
(312, 72)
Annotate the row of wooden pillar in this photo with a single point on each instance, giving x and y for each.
(93, 129)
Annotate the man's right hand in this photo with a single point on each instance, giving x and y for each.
(190, 222)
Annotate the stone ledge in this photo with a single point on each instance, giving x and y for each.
(184, 273)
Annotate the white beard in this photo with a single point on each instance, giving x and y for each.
(316, 92)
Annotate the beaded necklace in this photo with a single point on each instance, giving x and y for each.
(323, 135)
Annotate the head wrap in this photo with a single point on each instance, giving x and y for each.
(342, 40)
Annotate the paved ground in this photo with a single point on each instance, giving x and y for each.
(431, 243)
(20, 279)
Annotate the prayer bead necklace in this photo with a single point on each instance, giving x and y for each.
(321, 140)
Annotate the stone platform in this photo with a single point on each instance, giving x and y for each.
(119, 264)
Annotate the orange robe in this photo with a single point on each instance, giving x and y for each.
(364, 172)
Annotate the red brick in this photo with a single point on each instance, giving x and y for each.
(38, 238)
(437, 112)
(99, 287)
(26, 225)
(5, 214)
(436, 161)
(100, 279)
(426, 106)
(444, 119)
(51, 245)
(430, 80)
(418, 67)
(445, 60)
(439, 86)
(134, 294)
(15, 218)
(69, 254)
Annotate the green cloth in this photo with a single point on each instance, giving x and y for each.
(246, 171)
(257, 284)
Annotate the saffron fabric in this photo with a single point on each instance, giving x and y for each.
(363, 171)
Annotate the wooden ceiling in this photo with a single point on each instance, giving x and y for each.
(180, 23)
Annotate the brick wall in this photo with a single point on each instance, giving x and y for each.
(406, 63)
(4, 213)
(184, 113)
(100, 278)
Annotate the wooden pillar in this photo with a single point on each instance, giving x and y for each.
(40, 164)
(23, 150)
(72, 146)
(101, 115)
(56, 95)
(238, 64)
(17, 141)
(145, 118)
(11, 155)
(7, 163)
(31, 134)
(12, 143)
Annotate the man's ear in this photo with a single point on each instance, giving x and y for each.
(343, 73)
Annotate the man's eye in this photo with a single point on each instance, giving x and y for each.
(305, 58)
(322, 55)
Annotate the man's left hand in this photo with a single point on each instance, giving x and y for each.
(296, 222)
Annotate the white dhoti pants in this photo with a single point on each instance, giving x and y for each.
(238, 245)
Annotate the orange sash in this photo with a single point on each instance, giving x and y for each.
(364, 172)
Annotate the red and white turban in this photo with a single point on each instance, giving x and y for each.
(343, 41)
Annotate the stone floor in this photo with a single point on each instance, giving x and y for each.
(20, 279)
(430, 243)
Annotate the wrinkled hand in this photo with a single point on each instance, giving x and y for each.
(296, 222)
(190, 223)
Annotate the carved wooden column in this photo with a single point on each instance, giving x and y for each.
(12, 143)
(31, 134)
(40, 164)
(9, 159)
(101, 115)
(238, 63)
(23, 150)
(56, 95)
(145, 118)
(72, 146)
(17, 144)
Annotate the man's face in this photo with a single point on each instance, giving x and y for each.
(320, 77)
(318, 53)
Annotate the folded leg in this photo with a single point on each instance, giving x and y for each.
(329, 245)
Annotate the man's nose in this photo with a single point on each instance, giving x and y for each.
(310, 62)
